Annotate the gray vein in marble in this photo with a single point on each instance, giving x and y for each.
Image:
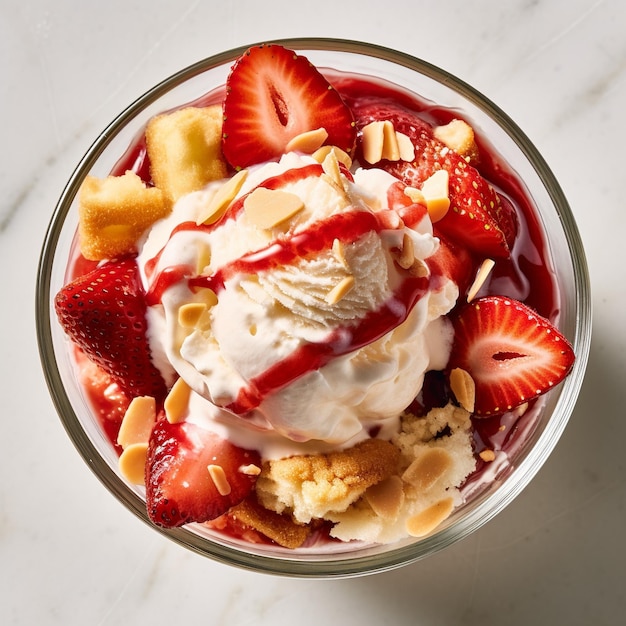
(564, 32)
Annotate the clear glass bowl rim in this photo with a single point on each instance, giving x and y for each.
(321, 567)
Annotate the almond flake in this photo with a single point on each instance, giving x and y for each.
(339, 252)
(406, 147)
(406, 257)
(427, 520)
(391, 150)
(267, 208)
(132, 463)
(330, 165)
(435, 190)
(487, 456)
(307, 142)
(415, 195)
(342, 156)
(221, 199)
(189, 314)
(177, 401)
(386, 498)
(218, 476)
(463, 388)
(428, 468)
(481, 276)
(250, 470)
(137, 422)
(340, 290)
(373, 142)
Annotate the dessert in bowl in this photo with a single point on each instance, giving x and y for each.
(313, 307)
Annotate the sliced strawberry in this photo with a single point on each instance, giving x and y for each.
(512, 353)
(179, 486)
(104, 313)
(474, 205)
(273, 95)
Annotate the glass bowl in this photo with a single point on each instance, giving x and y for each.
(430, 83)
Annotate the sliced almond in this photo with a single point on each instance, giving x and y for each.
(428, 468)
(220, 480)
(415, 195)
(426, 521)
(250, 470)
(391, 150)
(342, 156)
(132, 463)
(330, 165)
(487, 455)
(340, 290)
(481, 276)
(339, 252)
(307, 142)
(435, 190)
(386, 497)
(177, 401)
(406, 147)
(406, 258)
(221, 199)
(419, 269)
(137, 422)
(267, 208)
(189, 314)
(464, 388)
(373, 141)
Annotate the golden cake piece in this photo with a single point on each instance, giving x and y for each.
(185, 150)
(280, 528)
(114, 212)
(310, 486)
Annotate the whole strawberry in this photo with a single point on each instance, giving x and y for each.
(104, 314)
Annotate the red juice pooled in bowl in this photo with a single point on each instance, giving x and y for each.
(311, 305)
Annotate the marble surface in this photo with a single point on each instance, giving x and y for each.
(70, 554)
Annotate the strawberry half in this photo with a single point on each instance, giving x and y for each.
(179, 485)
(104, 314)
(475, 207)
(512, 353)
(273, 95)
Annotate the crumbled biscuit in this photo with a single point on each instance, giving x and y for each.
(312, 485)
(280, 528)
(185, 150)
(114, 212)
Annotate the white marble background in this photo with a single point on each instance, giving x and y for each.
(70, 554)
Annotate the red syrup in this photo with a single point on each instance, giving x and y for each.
(527, 276)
